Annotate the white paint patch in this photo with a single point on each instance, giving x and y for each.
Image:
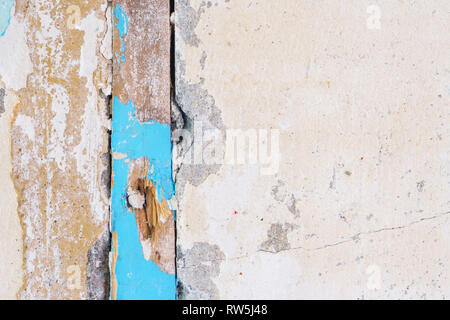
(135, 198)
(26, 123)
(89, 150)
(106, 48)
(118, 156)
(283, 274)
(147, 249)
(15, 63)
(60, 108)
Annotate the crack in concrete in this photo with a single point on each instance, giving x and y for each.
(359, 234)
(97, 269)
(352, 238)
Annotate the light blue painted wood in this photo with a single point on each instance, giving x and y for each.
(136, 277)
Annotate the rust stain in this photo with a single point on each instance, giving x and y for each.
(154, 219)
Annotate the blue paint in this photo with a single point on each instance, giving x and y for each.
(137, 278)
(5, 15)
(122, 21)
(150, 139)
(122, 26)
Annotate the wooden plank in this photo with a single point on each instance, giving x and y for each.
(143, 265)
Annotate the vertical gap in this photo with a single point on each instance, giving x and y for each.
(172, 95)
(110, 6)
(98, 273)
(172, 45)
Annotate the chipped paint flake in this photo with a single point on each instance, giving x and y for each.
(58, 139)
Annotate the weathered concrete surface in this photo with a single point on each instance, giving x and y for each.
(55, 203)
(358, 207)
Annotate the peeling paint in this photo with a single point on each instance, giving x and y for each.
(144, 33)
(58, 138)
(243, 64)
(142, 213)
(122, 26)
(193, 103)
(277, 238)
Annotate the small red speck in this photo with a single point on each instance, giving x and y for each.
(235, 212)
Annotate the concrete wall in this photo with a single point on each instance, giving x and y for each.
(358, 92)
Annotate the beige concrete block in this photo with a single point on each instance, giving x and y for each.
(359, 94)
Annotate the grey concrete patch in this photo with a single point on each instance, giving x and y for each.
(281, 194)
(277, 238)
(194, 100)
(2, 101)
(192, 104)
(106, 174)
(187, 20)
(203, 59)
(196, 268)
(97, 269)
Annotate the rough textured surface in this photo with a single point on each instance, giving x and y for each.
(58, 133)
(144, 77)
(359, 205)
(142, 217)
(203, 261)
(97, 271)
